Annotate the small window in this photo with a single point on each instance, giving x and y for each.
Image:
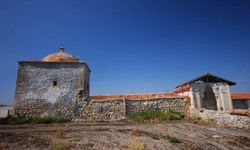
(80, 94)
(54, 83)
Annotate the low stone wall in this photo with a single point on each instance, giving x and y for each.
(154, 104)
(30, 108)
(84, 109)
(221, 117)
(103, 110)
(111, 110)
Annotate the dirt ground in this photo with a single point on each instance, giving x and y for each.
(123, 135)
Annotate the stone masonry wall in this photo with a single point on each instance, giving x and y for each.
(154, 104)
(36, 94)
(102, 110)
(110, 110)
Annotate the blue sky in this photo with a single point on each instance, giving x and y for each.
(131, 46)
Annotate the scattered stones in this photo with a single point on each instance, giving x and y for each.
(216, 136)
(223, 118)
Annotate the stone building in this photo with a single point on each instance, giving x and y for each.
(58, 85)
(211, 99)
(208, 92)
(51, 86)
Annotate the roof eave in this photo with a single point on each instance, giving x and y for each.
(207, 75)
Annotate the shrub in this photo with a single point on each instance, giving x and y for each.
(50, 119)
(43, 120)
(155, 116)
(136, 145)
(18, 120)
(173, 139)
(171, 114)
(34, 120)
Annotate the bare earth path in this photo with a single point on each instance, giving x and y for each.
(115, 136)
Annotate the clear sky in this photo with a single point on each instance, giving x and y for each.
(131, 46)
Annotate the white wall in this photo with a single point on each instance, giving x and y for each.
(221, 91)
(4, 111)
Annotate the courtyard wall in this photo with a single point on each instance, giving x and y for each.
(116, 109)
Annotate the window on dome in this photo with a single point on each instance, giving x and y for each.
(54, 83)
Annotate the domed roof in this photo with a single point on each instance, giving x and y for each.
(60, 57)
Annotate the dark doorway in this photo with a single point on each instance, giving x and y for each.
(209, 100)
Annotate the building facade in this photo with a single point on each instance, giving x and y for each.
(211, 99)
(5, 111)
(51, 86)
(208, 92)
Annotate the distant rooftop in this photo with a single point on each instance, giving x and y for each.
(240, 96)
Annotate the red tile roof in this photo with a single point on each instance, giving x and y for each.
(182, 89)
(147, 96)
(240, 96)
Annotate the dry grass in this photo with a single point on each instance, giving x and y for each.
(3, 145)
(207, 121)
(59, 133)
(136, 145)
(135, 133)
(59, 142)
(194, 118)
(156, 116)
(199, 120)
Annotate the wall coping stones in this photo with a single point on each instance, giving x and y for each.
(148, 96)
